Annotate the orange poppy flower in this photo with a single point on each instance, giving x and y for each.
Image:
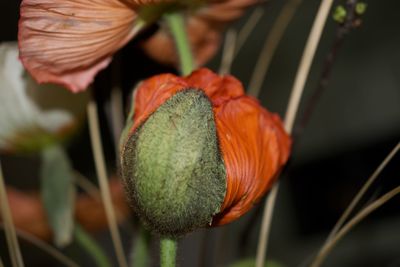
(29, 214)
(68, 41)
(204, 29)
(252, 144)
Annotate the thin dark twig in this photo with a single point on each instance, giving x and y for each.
(362, 191)
(327, 247)
(351, 21)
(43, 246)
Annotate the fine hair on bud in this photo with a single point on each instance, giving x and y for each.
(172, 166)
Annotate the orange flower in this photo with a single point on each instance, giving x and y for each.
(29, 214)
(251, 140)
(204, 29)
(68, 41)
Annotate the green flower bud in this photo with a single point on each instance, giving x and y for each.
(172, 167)
(197, 151)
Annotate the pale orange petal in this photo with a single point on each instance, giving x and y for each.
(225, 11)
(30, 216)
(28, 213)
(69, 41)
(204, 28)
(204, 39)
(254, 147)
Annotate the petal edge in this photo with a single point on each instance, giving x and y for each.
(69, 41)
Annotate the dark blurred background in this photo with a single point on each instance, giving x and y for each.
(354, 125)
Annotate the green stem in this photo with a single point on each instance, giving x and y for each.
(91, 247)
(178, 30)
(140, 252)
(168, 252)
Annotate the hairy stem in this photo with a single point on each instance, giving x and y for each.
(168, 249)
(176, 24)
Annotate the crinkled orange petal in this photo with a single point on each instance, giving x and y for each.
(152, 93)
(156, 90)
(254, 147)
(218, 88)
(69, 41)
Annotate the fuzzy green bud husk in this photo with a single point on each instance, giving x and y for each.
(172, 168)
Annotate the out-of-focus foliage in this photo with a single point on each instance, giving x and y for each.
(26, 123)
(252, 263)
(58, 193)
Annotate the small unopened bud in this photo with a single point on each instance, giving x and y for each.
(172, 167)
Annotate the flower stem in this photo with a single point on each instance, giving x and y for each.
(91, 247)
(327, 247)
(293, 105)
(362, 192)
(271, 44)
(168, 252)
(9, 228)
(94, 129)
(178, 30)
(35, 241)
(140, 251)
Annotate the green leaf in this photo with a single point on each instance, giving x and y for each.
(58, 193)
(91, 247)
(129, 121)
(140, 249)
(24, 125)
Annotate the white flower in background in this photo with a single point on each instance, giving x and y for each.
(24, 124)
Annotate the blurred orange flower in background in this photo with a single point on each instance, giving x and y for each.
(29, 215)
(204, 27)
(68, 41)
